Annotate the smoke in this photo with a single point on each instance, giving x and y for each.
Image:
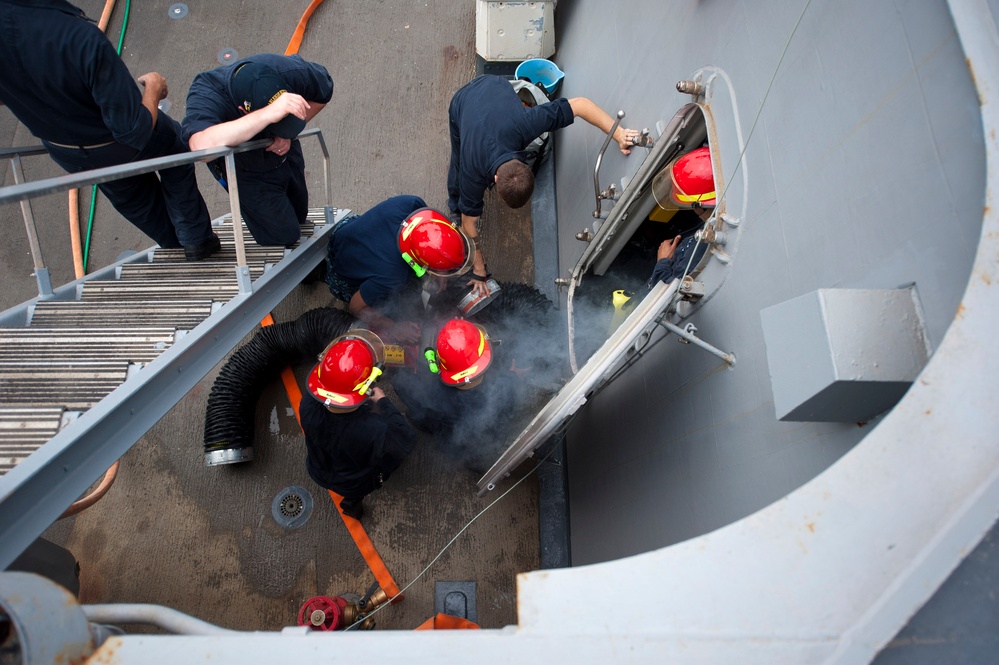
(528, 366)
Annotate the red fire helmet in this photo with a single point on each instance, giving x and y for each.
(430, 242)
(464, 352)
(693, 181)
(346, 370)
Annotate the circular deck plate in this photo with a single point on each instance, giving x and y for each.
(228, 55)
(292, 507)
(177, 10)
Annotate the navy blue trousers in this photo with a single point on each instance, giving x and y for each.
(168, 208)
(275, 203)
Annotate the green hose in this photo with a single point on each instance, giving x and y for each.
(93, 188)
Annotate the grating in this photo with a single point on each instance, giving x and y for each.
(292, 507)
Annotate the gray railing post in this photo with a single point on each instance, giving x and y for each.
(41, 272)
(327, 181)
(242, 271)
(23, 192)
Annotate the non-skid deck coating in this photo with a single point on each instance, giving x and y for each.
(202, 540)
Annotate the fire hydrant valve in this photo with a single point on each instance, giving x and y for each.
(323, 613)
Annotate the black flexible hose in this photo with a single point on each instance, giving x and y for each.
(232, 403)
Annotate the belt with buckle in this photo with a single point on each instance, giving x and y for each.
(80, 147)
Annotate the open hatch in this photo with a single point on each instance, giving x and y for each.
(613, 310)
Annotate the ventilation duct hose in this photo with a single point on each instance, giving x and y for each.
(232, 403)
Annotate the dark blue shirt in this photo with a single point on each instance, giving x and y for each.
(210, 100)
(350, 453)
(365, 251)
(493, 127)
(667, 270)
(63, 79)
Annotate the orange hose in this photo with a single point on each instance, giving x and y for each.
(354, 527)
(296, 37)
(370, 554)
(446, 622)
(95, 496)
(106, 15)
(74, 194)
(74, 241)
(74, 232)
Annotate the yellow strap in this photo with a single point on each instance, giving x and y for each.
(685, 198)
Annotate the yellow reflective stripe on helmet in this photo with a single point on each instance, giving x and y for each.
(330, 396)
(685, 198)
(468, 372)
(482, 342)
(408, 228)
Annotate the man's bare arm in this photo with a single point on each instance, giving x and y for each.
(243, 129)
(596, 116)
(154, 90)
(314, 109)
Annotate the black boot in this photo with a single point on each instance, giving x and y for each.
(352, 508)
(204, 250)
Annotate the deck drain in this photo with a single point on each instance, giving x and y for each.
(292, 507)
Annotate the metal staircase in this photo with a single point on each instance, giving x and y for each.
(87, 368)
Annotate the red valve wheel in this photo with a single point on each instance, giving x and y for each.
(322, 613)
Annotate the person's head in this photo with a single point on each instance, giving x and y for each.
(430, 242)
(347, 369)
(254, 86)
(462, 354)
(514, 183)
(693, 181)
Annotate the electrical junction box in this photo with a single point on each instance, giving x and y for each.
(844, 355)
(514, 31)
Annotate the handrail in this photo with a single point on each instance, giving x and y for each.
(600, 158)
(24, 191)
(23, 151)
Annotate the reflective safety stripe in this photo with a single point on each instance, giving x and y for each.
(482, 342)
(322, 392)
(468, 372)
(685, 198)
(407, 227)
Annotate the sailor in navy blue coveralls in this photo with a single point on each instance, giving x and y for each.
(273, 196)
(62, 78)
(489, 127)
(354, 453)
(364, 267)
(675, 257)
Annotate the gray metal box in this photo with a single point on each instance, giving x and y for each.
(514, 31)
(843, 355)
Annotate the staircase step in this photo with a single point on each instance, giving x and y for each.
(137, 345)
(217, 289)
(24, 430)
(200, 270)
(76, 385)
(179, 314)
